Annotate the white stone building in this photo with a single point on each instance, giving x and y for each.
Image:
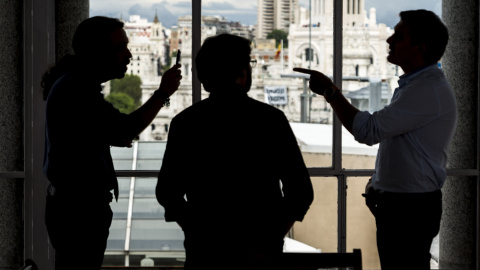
(364, 56)
(364, 42)
(147, 43)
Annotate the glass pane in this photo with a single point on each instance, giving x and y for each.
(361, 229)
(116, 238)
(120, 208)
(167, 260)
(319, 227)
(113, 259)
(145, 187)
(147, 208)
(368, 79)
(150, 155)
(122, 158)
(124, 186)
(156, 235)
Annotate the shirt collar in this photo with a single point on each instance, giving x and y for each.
(405, 78)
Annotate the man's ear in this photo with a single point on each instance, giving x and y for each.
(242, 77)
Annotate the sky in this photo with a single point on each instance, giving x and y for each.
(244, 11)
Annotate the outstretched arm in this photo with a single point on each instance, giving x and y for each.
(320, 84)
(144, 115)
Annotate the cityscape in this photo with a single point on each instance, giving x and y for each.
(139, 235)
(154, 48)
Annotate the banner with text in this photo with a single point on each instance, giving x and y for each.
(276, 95)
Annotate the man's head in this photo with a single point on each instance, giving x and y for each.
(224, 60)
(420, 36)
(101, 43)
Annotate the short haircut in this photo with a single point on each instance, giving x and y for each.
(425, 27)
(221, 60)
(93, 35)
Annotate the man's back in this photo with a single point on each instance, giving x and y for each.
(228, 154)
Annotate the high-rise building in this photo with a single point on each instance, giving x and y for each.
(275, 14)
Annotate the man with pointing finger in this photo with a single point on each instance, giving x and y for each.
(414, 132)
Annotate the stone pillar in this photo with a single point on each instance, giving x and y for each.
(42, 20)
(68, 15)
(11, 134)
(458, 233)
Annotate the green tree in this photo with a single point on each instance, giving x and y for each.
(279, 35)
(123, 102)
(130, 85)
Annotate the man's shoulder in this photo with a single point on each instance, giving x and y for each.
(247, 103)
(433, 73)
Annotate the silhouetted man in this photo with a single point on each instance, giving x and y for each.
(414, 133)
(80, 129)
(233, 176)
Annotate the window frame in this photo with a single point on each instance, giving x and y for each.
(39, 36)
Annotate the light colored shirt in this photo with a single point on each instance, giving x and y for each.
(414, 132)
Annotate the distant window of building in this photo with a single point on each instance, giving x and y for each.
(308, 54)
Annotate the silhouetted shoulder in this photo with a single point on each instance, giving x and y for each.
(246, 107)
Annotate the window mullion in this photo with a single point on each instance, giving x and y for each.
(196, 43)
(337, 127)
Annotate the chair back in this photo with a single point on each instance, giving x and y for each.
(310, 261)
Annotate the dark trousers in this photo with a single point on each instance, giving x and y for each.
(78, 229)
(406, 226)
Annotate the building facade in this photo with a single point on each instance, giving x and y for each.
(364, 43)
(275, 14)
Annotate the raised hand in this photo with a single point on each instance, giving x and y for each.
(171, 80)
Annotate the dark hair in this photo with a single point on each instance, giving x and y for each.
(425, 27)
(221, 60)
(91, 39)
(92, 36)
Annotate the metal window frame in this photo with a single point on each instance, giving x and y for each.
(39, 52)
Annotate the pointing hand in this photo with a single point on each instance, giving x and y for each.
(318, 81)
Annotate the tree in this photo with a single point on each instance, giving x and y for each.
(123, 102)
(130, 85)
(279, 35)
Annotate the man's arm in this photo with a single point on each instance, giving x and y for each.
(144, 115)
(296, 184)
(170, 189)
(319, 83)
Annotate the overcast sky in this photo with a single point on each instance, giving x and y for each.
(244, 11)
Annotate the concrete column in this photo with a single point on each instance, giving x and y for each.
(11, 134)
(458, 233)
(68, 15)
(41, 40)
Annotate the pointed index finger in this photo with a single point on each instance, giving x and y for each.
(304, 70)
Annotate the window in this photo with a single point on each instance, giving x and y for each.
(136, 204)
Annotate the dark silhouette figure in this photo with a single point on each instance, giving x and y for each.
(414, 132)
(237, 162)
(80, 128)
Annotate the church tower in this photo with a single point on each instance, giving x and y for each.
(158, 41)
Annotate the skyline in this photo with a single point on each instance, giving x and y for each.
(244, 11)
